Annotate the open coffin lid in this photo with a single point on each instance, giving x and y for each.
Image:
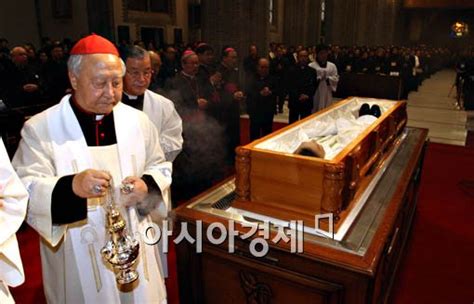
(272, 180)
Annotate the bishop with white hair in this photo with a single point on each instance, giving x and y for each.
(68, 157)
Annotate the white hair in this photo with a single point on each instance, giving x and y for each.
(74, 64)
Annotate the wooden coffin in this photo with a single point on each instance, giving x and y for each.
(274, 181)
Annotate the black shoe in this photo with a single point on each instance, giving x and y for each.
(364, 110)
(375, 111)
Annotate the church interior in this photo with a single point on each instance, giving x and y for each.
(322, 151)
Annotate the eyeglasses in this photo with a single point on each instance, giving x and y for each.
(137, 74)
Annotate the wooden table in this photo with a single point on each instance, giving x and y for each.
(359, 269)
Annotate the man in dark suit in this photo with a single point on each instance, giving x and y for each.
(20, 86)
(278, 68)
(261, 100)
(231, 97)
(200, 163)
(301, 85)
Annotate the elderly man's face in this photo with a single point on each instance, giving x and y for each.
(98, 87)
(191, 65)
(138, 76)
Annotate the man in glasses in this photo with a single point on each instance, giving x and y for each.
(159, 109)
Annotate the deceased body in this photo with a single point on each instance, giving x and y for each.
(319, 164)
(330, 131)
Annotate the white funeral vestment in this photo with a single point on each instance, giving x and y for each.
(162, 113)
(323, 96)
(53, 146)
(14, 198)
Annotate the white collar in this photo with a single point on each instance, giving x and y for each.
(131, 97)
(187, 75)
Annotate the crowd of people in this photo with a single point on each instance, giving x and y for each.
(205, 91)
(412, 65)
(29, 77)
(145, 118)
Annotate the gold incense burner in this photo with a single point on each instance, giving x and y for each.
(121, 250)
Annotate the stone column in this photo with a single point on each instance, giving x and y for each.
(364, 22)
(302, 23)
(341, 21)
(101, 18)
(313, 30)
(237, 23)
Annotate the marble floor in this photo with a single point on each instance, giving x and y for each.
(431, 107)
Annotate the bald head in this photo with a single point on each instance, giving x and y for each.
(19, 55)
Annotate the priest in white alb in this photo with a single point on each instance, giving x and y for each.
(159, 109)
(327, 79)
(68, 157)
(13, 201)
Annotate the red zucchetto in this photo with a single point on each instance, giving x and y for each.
(187, 53)
(94, 44)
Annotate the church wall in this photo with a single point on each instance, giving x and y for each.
(61, 25)
(20, 27)
(241, 22)
(181, 19)
(100, 18)
(276, 31)
(236, 23)
(363, 22)
(176, 18)
(432, 27)
(313, 22)
(294, 22)
(302, 22)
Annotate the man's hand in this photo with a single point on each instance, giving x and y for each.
(30, 88)
(90, 183)
(303, 97)
(202, 103)
(238, 95)
(216, 79)
(139, 192)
